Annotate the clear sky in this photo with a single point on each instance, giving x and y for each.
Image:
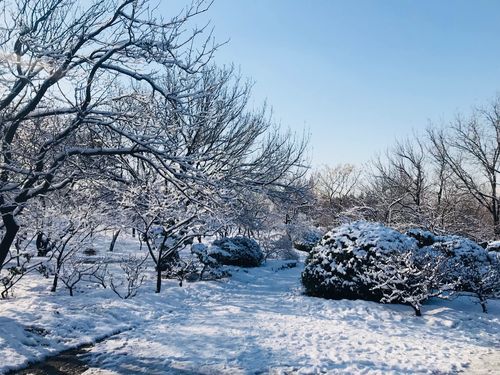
(359, 73)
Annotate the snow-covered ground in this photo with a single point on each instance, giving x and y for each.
(255, 322)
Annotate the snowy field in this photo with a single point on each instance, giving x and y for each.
(256, 322)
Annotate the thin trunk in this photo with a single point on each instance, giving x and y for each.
(485, 308)
(11, 229)
(159, 265)
(113, 241)
(484, 303)
(418, 312)
(18, 251)
(59, 262)
(54, 283)
(158, 278)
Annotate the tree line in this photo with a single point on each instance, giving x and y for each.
(444, 180)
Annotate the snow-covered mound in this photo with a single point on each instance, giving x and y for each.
(464, 257)
(449, 245)
(344, 262)
(237, 251)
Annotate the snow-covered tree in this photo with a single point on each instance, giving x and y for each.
(410, 277)
(68, 72)
(117, 96)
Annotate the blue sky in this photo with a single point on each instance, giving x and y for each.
(358, 74)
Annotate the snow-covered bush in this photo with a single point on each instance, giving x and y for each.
(348, 261)
(307, 239)
(237, 251)
(480, 278)
(210, 267)
(471, 266)
(468, 267)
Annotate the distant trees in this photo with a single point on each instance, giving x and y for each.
(445, 180)
(336, 188)
(401, 179)
(470, 148)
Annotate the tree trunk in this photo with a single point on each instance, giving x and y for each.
(54, 283)
(113, 241)
(484, 304)
(59, 262)
(418, 312)
(11, 229)
(158, 278)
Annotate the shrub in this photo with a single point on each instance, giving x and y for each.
(348, 259)
(211, 269)
(307, 239)
(467, 266)
(460, 253)
(237, 251)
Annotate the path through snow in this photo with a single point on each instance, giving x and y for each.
(258, 322)
(255, 322)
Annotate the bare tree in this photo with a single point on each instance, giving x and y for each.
(453, 209)
(336, 189)
(470, 147)
(68, 73)
(128, 285)
(401, 180)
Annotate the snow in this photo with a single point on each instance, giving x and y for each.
(337, 266)
(367, 234)
(493, 246)
(455, 246)
(257, 321)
